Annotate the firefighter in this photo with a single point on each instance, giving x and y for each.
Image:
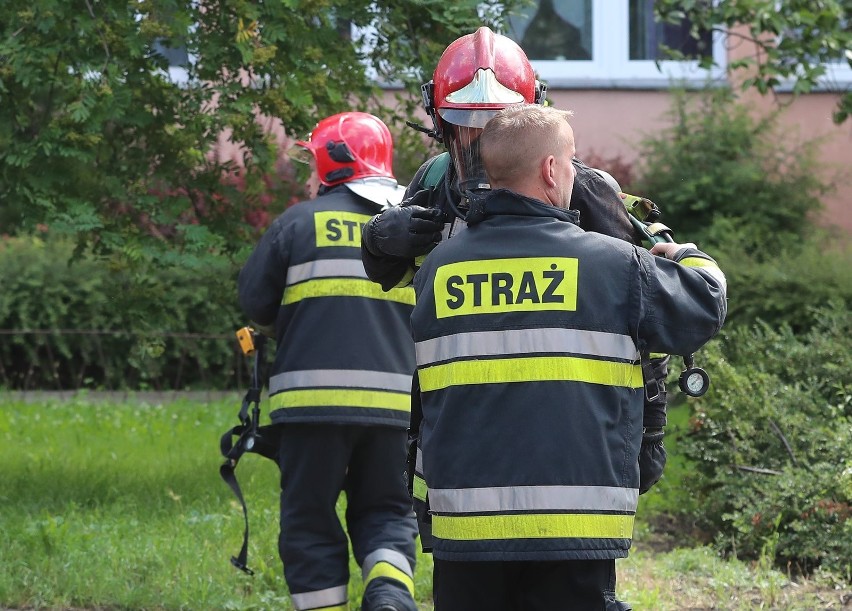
(476, 76)
(528, 332)
(340, 383)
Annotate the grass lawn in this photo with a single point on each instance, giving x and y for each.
(119, 505)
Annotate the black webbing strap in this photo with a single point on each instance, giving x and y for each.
(651, 384)
(250, 438)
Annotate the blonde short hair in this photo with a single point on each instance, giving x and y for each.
(517, 138)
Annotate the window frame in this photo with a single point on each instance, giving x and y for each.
(611, 66)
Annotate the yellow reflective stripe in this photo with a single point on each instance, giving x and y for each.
(708, 266)
(339, 228)
(385, 569)
(658, 355)
(420, 489)
(334, 608)
(531, 369)
(697, 262)
(341, 397)
(345, 287)
(533, 526)
(406, 278)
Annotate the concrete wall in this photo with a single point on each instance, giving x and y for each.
(609, 124)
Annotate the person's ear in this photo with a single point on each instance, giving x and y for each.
(548, 170)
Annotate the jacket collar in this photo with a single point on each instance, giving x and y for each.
(506, 202)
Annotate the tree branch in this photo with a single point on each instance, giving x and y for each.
(783, 440)
(103, 40)
(759, 470)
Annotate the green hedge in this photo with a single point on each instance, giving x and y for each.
(95, 324)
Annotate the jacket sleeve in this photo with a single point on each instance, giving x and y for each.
(682, 303)
(387, 270)
(262, 279)
(601, 209)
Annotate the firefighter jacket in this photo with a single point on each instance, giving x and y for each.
(528, 332)
(344, 353)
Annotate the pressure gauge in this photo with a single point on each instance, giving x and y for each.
(694, 381)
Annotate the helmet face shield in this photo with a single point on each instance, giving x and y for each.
(467, 117)
(463, 145)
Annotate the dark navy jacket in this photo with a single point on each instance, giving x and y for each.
(528, 332)
(344, 352)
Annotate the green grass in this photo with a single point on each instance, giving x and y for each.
(120, 506)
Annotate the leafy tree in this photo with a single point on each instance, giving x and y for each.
(96, 141)
(793, 39)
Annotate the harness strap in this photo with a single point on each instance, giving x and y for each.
(250, 438)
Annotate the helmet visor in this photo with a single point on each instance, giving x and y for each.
(463, 145)
(302, 161)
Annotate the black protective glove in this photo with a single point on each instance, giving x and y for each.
(652, 459)
(407, 231)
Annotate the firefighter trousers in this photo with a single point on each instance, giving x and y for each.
(564, 585)
(367, 463)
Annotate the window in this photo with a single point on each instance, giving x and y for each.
(554, 30)
(178, 59)
(648, 36)
(610, 43)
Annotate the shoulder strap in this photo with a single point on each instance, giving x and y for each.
(437, 168)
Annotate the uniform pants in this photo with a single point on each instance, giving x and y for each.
(565, 585)
(317, 461)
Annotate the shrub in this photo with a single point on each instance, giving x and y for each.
(718, 171)
(787, 289)
(770, 443)
(94, 324)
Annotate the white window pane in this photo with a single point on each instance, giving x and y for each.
(554, 30)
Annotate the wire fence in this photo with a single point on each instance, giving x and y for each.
(107, 359)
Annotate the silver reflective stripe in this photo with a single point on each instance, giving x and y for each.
(325, 268)
(418, 461)
(390, 556)
(484, 87)
(533, 498)
(321, 598)
(526, 341)
(340, 378)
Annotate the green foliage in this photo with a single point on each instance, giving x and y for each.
(770, 443)
(788, 288)
(98, 143)
(793, 39)
(723, 177)
(81, 325)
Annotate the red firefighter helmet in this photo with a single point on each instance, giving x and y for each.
(351, 146)
(477, 75)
